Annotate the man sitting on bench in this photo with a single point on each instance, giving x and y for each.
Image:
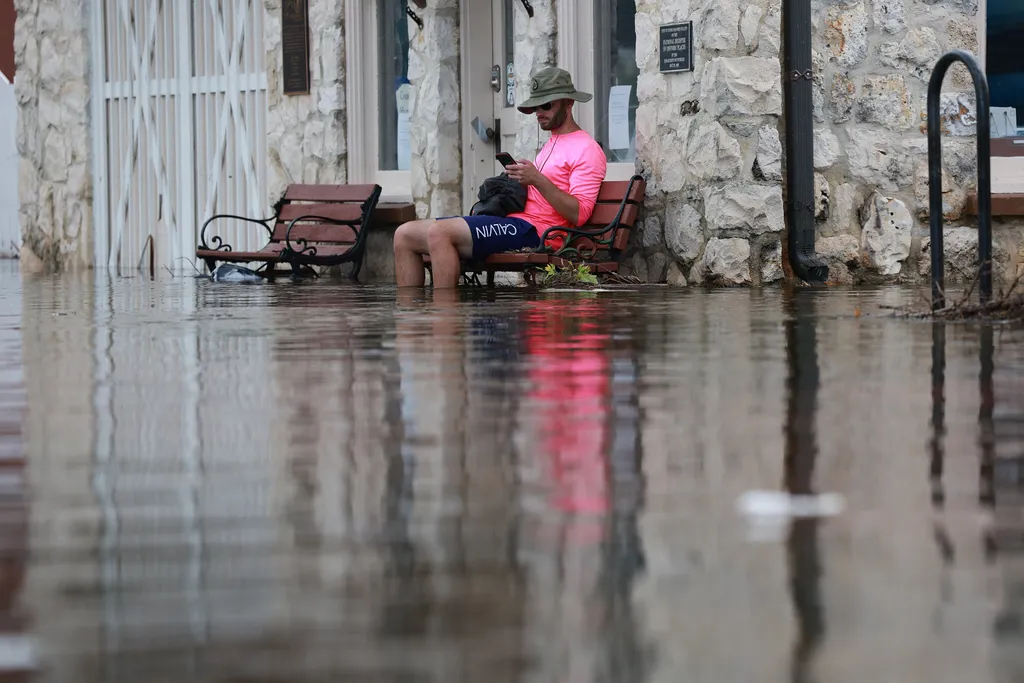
(562, 188)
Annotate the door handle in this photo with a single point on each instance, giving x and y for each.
(483, 132)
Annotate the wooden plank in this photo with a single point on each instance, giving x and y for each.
(621, 239)
(614, 190)
(328, 193)
(347, 213)
(270, 254)
(605, 214)
(317, 232)
(513, 258)
(1007, 147)
(1003, 204)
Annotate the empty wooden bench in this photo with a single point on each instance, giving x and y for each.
(312, 225)
(599, 244)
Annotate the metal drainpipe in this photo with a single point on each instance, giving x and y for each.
(797, 81)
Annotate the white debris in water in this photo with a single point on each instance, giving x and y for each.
(782, 505)
(769, 513)
(18, 653)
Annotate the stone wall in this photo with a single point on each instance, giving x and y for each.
(306, 133)
(873, 59)
(709, 143)
(54, 177)
(435, 135)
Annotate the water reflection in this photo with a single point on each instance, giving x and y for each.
(1000, 484)
(334, 483)
(801, 454)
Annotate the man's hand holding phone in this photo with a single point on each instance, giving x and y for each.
(524, 172)
(505, 159)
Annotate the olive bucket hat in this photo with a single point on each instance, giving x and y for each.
(550, 84)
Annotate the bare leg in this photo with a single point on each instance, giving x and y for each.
(410, 246)
(448, 240)
(445, 241)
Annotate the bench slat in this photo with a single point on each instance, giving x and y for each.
(613, 191)
(269, 254)
(605, 214)
(328, 193)
(317, 232)
(347, 213)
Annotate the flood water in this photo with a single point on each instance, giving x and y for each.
(263, 483)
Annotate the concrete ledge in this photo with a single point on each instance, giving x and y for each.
(379, 260)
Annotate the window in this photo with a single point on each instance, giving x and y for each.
(999, 50)
(615, 78)
(378, 93)
(599, 51)
(1004, 57)
(393, 87)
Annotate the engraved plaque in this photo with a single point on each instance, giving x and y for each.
(675, 47)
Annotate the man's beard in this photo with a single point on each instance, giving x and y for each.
(557, 121)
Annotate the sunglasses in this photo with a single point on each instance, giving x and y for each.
(544, 107)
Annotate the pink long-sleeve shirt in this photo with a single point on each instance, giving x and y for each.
(576, 164)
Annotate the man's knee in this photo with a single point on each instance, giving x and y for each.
(448, 231)
(410, 236)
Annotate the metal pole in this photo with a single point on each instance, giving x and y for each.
(935, 176)
(798, 84)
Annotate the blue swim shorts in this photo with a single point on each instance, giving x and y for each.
(494, 234)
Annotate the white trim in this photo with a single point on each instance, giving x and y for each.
(622, 170)
(187, 239)
(579, 46)
(4, 79)
(355, 31)
(576, 55)
(362, 69)
(98, 107)
(567, 43)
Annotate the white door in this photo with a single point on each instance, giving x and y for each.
(488, 90)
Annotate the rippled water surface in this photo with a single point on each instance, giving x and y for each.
(326, 482)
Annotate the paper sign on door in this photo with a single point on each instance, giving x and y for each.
(618, 116)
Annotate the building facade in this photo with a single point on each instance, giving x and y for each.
(138, 120)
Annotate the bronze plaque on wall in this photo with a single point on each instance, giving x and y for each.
(295, 46)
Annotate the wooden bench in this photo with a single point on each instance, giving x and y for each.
(313, 225)
(599, 244)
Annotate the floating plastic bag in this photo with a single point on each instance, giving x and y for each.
(229, 272)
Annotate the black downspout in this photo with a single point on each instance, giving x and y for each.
(797, 81)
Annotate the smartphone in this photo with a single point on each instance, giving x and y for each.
(505, 159)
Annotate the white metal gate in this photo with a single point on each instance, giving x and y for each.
(179, 128)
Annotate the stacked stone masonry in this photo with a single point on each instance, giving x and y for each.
(709, 143)
(306, 133)
(54, 175)
(436, 163)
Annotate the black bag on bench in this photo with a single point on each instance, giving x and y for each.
(499, 196)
